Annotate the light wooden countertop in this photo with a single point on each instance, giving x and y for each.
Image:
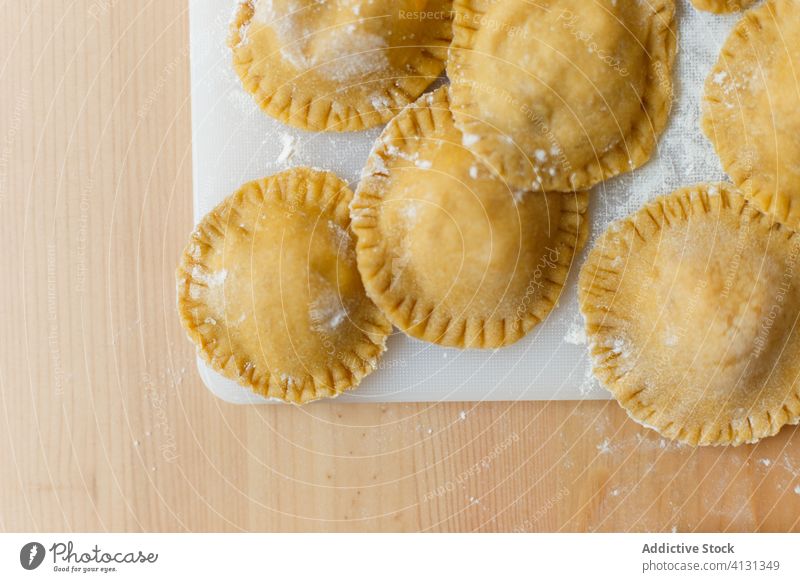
(105, 424)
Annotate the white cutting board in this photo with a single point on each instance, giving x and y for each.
(234, 142)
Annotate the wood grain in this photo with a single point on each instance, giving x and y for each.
(105, 423)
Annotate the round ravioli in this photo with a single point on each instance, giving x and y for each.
(446, 249)
(692, 307)
(722, 6)
(562, 94)
(752, 108)
(342, 65)
(269, 290)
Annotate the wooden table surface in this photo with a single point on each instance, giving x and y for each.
(105, 424)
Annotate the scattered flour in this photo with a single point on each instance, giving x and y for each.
(326, 310)
(288, 144)
(341, 238)
(380, 101)
(358, 55)
(671, 338)
(684, 155)
(339, 55)
(604, 448)
(469, 139)
(216, 279)
(576, 334)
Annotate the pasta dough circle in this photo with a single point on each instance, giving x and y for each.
(269, 291)
(343, 65)
(445, 248)
(692, 306)
(751, 110)
(562, 94)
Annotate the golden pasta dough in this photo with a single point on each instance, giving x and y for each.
(269, 290)
(446, 249)
(558, 95)
(342, 65)
(692, 309)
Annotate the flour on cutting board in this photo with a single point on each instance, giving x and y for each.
(684, 155)
(234, 142)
